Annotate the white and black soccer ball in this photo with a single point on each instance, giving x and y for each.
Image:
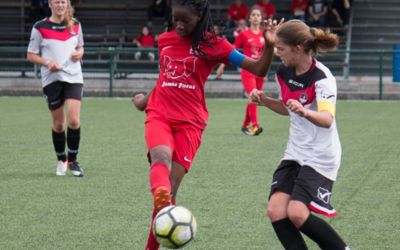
(174, 227)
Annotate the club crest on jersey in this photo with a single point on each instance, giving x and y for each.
(303, 98)
(179, 69)
(324, 195)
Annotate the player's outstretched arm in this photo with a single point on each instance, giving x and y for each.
(261, 66)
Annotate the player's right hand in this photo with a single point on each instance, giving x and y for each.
(256, 96)
(140, 102)
(53, 66)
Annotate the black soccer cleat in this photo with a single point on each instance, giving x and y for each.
(76, 170)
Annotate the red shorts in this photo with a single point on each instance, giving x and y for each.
(251, 82)
(183, 139)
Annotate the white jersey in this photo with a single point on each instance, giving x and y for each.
(308, 144)
(56, 42)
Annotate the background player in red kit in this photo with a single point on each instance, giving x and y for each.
(252, 43)
(304, 178)
(176, 109)
(57, 45)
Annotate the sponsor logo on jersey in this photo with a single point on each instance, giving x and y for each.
(295, 83)
(179, 69)
(58, 27)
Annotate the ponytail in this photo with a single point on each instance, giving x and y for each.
(323, 40)
(296, 32)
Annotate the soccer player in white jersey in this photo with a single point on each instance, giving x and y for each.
(304, 178)
(57, 45)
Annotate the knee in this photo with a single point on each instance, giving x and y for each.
(161, 157)
(297, 216)
(73, 123)
(276, 212)
(58, 127)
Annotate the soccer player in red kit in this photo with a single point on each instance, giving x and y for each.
(176, 108)
(252, 43)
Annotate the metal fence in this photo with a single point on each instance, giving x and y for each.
(115, 62)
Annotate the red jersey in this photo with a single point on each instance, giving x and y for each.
(146, 41)
(179, 91)
(269, 8)
(251, 44)
(238, 12)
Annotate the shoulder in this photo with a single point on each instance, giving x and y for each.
(42, 24)
(76, 21)
(167, 35)
(219, 42)
(168, 38)
(243, 34)
(322, 72)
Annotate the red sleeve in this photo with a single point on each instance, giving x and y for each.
(239, 41)
(222, 49)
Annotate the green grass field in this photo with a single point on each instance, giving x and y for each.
(226, 190)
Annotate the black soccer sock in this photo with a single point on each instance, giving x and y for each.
(322, 233)
(59, 145)
(289, 236)
(73, 138)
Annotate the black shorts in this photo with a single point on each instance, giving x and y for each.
(304, 184)
(57, 92)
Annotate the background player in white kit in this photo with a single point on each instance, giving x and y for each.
(57, 45)
(303, 181)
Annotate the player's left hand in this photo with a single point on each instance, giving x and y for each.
(270, 27)
(77, 55)
(296, 107)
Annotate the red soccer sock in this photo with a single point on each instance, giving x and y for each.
(159, 176)
(252, 112)
(173, 201)
(152, 243)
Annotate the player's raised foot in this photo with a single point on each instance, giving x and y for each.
(61, 168)
(76, 170)
(162, 198)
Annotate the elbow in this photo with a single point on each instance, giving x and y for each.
(261, 72)
(327, 123)
(29, 58)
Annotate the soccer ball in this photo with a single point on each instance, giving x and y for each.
(174, 227)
